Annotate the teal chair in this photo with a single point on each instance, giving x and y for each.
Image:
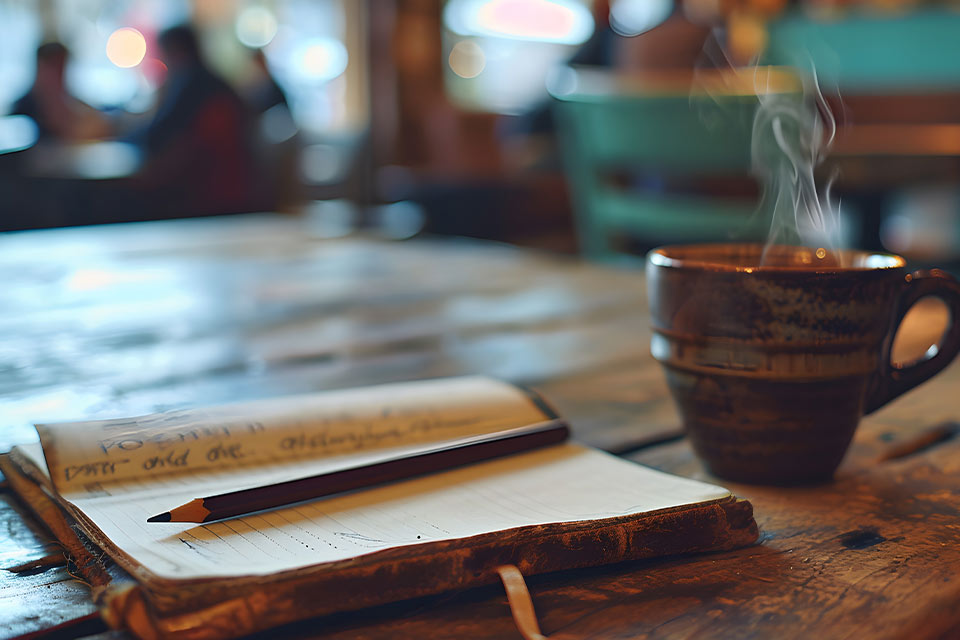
(640, 154)
(860, 51)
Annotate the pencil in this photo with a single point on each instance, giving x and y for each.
(439, 458)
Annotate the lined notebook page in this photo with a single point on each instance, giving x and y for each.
(120, 472)
(99, 455)
(562, 484)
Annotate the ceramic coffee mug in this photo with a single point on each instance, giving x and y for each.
(773, 365)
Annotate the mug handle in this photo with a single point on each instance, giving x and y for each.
(893, 379)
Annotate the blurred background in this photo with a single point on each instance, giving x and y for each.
(568, 125)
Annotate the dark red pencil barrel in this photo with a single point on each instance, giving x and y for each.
(236, 503)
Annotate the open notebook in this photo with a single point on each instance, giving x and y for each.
(410, 538)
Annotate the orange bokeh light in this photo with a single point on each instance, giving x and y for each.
(126, 47)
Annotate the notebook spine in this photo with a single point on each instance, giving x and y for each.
(410, 572)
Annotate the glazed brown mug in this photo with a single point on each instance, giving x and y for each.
(774, 354)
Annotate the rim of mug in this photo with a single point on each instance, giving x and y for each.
(679, 257)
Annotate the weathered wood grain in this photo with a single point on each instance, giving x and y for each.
(129, 319)
(33, 600)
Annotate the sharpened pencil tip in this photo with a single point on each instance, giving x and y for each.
(160, 517)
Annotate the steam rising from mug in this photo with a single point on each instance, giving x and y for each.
(791, 135)
(792, 131)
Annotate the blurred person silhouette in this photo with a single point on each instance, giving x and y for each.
(262, 92)
(59, 116)
(276, 143)
(197, 149)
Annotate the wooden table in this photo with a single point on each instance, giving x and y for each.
(129, 319)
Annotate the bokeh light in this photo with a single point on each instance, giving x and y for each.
(321, 59)
(17, 132)
(321, 163)
(256, 26)
(126, 47)
(556, 21)
(331, 218)
(467, 59)
(484, 39)
(528, 19)
(633, 17)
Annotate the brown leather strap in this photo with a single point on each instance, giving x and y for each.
(521, 606)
